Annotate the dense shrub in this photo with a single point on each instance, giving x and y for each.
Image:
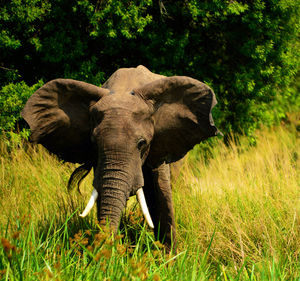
(248, 51)
(12, 100)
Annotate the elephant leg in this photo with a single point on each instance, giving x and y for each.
(158, 194)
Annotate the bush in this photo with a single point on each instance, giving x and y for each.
(247, 51)
(12, 100)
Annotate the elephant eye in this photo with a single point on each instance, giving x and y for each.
(141, 144)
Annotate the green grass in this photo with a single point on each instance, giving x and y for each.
(237, 215)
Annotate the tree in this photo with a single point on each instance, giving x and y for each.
(248, 51)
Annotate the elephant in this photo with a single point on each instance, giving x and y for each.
(128, 131)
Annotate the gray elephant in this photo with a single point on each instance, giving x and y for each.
(128, 131)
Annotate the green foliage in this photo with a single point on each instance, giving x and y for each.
(249, 52)
(253, 56)
(115, 19)
(12, 100)
(19, 36)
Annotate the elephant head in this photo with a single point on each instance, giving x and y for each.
(136, 118)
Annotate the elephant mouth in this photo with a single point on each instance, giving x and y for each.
(140, 197)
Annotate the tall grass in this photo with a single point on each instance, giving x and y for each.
(250, 198)
(237, 214)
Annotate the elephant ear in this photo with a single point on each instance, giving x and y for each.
(182, 116)
(58, 116)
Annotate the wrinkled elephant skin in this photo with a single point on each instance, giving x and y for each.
(128, 131)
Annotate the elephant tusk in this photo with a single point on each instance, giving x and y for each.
(90, 204)
(141, 198)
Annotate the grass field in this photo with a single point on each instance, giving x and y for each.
(237, 212)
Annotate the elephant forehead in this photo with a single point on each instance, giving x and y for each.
(124, 101)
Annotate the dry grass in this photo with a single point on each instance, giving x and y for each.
(35, 183)
(237, 214)
(248, 196)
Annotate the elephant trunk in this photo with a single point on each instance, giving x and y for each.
(113, 185)
(114, 193)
